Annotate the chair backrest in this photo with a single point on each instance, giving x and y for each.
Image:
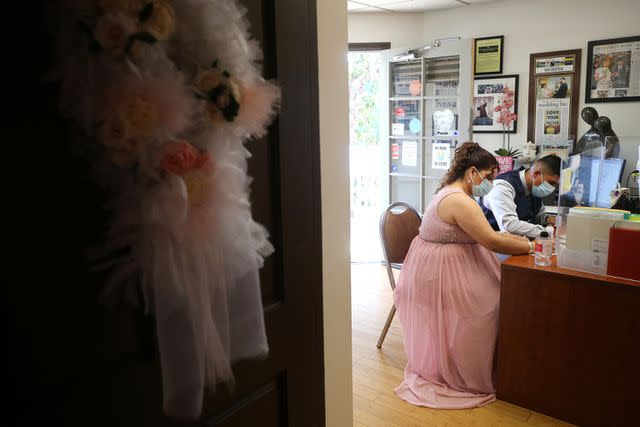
(399, 225)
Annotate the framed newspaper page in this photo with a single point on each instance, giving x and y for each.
(613, 70)
(554, 95)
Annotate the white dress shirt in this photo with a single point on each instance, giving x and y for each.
(501, 202)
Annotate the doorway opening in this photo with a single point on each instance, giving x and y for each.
(365, 83)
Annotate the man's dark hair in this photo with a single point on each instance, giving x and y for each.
(550, 163)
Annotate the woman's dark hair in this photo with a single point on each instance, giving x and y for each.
(467, 155)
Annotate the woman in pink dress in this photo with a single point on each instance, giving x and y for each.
(448, 292)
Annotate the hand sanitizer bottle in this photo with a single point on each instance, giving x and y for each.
(544, 248)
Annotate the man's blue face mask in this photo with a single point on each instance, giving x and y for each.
(542, 190)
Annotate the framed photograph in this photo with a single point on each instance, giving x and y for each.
(487, 55)
(554, 79)
(488, 93)
(613, 70)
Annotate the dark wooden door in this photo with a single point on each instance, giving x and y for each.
(74, 362)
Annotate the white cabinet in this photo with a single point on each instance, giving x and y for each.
(428, 102)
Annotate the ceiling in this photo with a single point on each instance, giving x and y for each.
(355, 6)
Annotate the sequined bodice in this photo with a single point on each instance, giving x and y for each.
(434, 229)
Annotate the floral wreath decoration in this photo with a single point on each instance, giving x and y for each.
(164, 94)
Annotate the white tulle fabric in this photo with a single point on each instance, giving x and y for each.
(197, 262)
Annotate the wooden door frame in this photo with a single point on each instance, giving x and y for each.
(299, 167)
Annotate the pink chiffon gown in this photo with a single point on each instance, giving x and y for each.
(447, 298)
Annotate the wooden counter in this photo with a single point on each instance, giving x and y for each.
(569, 343)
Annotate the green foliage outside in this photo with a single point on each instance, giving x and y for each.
(364, 81)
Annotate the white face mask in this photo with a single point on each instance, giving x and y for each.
(542, 190)
(482, 189)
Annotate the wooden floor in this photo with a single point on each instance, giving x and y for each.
(377, 372)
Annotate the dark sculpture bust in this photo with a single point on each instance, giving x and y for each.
(597, 135)
(609, 137)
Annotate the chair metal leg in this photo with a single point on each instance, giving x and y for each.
(392, 312)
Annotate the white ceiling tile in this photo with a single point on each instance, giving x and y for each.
(408, 5)
(352, 6)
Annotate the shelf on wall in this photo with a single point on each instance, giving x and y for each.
(441, 137)
(405, 98)
(404, 136)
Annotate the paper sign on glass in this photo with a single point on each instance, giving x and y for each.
(395, 151)
(410, 153)
(397, 129)
(565, 178)
(441, 155)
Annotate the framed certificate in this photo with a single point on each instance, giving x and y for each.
(487, 55)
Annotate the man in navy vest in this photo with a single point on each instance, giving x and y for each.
(514, 204)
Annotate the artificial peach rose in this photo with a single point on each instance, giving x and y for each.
(140, 114)
(162, 21)
(180, 157)
(204, 163)
(113, 30)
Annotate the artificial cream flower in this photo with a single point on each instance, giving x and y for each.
(140, 115)
(162, 22)
(113, 30)
(122, 148)
(208, 79)
(114, 131)
(125, 155)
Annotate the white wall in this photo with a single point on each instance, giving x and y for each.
(334, 158)
(529, 26)
(402, 30)
(543, 26)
